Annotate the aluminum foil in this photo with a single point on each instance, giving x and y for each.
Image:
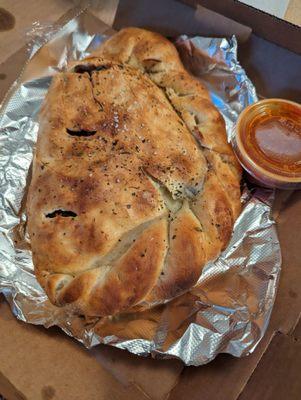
(229, 309)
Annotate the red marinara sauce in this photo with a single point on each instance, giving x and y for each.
(267, 142)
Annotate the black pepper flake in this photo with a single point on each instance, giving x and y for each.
(142, 255)
(174, 236)
(128, 206)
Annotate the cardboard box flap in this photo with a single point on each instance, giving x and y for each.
(264, 25)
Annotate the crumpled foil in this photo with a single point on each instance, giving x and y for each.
(229, 309)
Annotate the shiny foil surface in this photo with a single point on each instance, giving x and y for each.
(229, 308)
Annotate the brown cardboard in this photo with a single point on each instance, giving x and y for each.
(155, 378)
(169, 18)
(274, 365)
(39, 366)
(112, 372)
(35, 362)
(262, 24)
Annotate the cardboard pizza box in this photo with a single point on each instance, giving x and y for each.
(36, 363)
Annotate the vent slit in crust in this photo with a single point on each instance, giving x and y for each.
(61, 213)
(81, 132)
(89, 68)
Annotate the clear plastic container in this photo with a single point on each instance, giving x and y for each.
(267, 142)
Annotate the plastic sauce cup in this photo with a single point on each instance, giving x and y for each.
(267, 142)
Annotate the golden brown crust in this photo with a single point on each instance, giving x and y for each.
(114, 288)
(185, 258)
(134, 185)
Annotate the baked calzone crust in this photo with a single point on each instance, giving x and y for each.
(134, 185)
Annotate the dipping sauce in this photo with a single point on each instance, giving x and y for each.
(267, 142)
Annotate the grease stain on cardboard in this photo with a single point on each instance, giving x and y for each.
(7, 20)
(48, 393)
